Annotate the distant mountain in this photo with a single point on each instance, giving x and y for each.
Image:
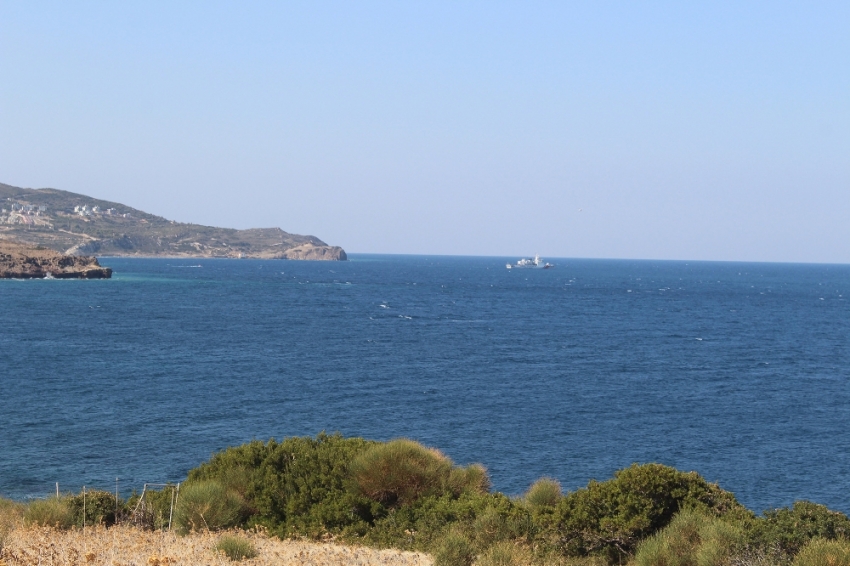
(80, 225)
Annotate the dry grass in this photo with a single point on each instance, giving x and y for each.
(128, 546)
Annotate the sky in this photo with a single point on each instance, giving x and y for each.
(646, 130)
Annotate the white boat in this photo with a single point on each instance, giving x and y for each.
(535, 263)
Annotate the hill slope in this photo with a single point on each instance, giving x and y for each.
(81, 225)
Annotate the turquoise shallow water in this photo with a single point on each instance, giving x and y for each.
(738, 371)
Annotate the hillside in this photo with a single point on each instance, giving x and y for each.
(80, 225)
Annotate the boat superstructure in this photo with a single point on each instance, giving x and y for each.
(535, 263)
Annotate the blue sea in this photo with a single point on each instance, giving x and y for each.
(740, 371)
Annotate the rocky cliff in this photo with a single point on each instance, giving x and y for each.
(24, 262)
(313, 252)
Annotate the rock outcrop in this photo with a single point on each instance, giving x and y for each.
(313, 252)
(23, 262)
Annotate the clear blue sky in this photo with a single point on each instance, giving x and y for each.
(675, 130)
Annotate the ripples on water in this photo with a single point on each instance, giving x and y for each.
(738, 371)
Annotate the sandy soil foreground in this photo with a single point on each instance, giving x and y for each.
(128, 546)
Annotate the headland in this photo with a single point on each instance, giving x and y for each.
(75, 224)
(18, 261)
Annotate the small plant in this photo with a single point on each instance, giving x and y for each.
(207, 506)
(53, 512)
(236, 547)
(545, 492)
(454, 550)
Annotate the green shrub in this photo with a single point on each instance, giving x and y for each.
(99, 506)
(235, 547)
(610, 518)
(481, 519)
(505, 554)
(785, 531)
(299, 486)
(51, 512)
(823, 552)
(207, 506)
(691, 539)
(400, 471)
(545, 492)
(454, 550)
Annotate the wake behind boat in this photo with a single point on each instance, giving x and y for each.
(535, 263)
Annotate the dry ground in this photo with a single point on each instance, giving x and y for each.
(128, 546)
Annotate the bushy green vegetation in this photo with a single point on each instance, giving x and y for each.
(208, 506)
(401, 472)
(300, 486)
(454, 549)
(784, 532)
(824, 552)
(545, 492)
(95, 507)
(403, 495)
(611, 517)
(692, 538)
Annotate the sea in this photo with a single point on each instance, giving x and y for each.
(739, 371)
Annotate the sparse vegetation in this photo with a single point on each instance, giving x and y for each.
(123, 545)
(11, 514)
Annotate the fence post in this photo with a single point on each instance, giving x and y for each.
(175, 493)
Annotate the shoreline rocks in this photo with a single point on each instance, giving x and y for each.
(23, 262)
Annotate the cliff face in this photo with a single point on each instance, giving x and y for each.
(23, 262)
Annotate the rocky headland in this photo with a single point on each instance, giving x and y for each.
(19, 261)
(76, 224)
